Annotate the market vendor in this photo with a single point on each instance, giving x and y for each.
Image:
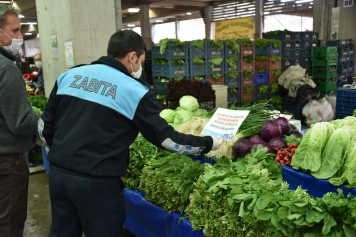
(93, 114)
(18, 126)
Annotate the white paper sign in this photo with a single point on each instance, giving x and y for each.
(225, 123)
(68, 46)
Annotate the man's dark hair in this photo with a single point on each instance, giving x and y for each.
(125, 41)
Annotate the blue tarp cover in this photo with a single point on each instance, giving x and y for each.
(145, 219)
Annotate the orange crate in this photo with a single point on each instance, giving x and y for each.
(245, 66)
(267, 64)
(247, 96)
(272, 78)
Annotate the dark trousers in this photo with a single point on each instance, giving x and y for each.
(14, 176)
(94, 205)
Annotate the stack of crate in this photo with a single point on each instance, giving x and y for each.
(216, 62)
(345, 102)
(324, 68)
(232, 70)
(346, 66)
(247, 67)
(296, 47)
(172, 64)
(199, 61)
(267, 68)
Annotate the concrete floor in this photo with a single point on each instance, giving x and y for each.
(38, 221)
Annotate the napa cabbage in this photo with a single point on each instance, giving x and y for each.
(189, 103)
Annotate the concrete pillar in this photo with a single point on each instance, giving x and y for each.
(145, 25)
(259, 19)
(322, 14)
(118, 15)
(208, 19)
(334, 21)
(72, 33)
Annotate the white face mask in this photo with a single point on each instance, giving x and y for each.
(38, 64)
(15, 44)
(137, 74)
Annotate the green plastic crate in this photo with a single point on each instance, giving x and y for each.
(323, 73)
(318, 62)
(327, 52)
(326, 86)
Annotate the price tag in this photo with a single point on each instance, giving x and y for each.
(225, 123)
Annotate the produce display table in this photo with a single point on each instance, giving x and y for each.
(315, 187)
(145, 219)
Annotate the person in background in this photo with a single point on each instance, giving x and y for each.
(40, 82)
(18, 128)
(93, 114)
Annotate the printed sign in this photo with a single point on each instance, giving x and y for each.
(225, 123)
(348, 3)
(243, 27)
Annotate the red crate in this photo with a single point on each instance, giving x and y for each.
(244, 96)
(219, 81)
(247, 50)
(247, 81)
(245, 66)
(272, 78)
(267, 64)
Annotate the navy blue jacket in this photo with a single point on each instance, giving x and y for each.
(96, 111)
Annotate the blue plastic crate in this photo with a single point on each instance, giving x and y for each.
(268, 51)
(197, 52)
(198, 69)
(351, 50)
(297, 53)
(287, 44)
(171, 51)
(341, 116)
(213, 52)
(230, 68)
(351, 66)
(306, 36)
(305, 53)
(286, 62)
(217, 68)
(232, 82)
(345, 101)
(343, 59)
(288, 53)
(262, 95)
(233, 95)
(294, 107)
(343, 68)
(260, 78)
(160, 87)
(171, 70)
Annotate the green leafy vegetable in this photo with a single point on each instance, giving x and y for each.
(216, 76)
(248, 89)
(234, 45)
(232, 62)
(276, 43)
(189, 103)
(276, 72)
(168, 115)
(248, 75)
(262, 43)
(39, 102)
(274, 87)
(215, 62)
(217, 44)
(275, 58)
(199, 44)
(247, 42)
(276, 102)
(199, 78)
(233, 75)
(36, 110)
(174, 42)
(263, 89)
(248, 59)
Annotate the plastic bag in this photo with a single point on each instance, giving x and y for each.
(317, 111)
(332, 100)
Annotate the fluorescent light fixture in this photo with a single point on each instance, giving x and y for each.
(310, 7)
(21, 16)
(287, 0)
(159, 20)
(252, 8)
(6, 1)
(28, 33)
(189, 13)
(130, 25)
(32, 23)
(266, 13)
(301, 1)
(133, 10)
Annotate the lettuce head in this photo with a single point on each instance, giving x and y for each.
(189, 103)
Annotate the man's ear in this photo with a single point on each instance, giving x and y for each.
(132, 57)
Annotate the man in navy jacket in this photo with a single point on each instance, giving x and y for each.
(93, 114)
